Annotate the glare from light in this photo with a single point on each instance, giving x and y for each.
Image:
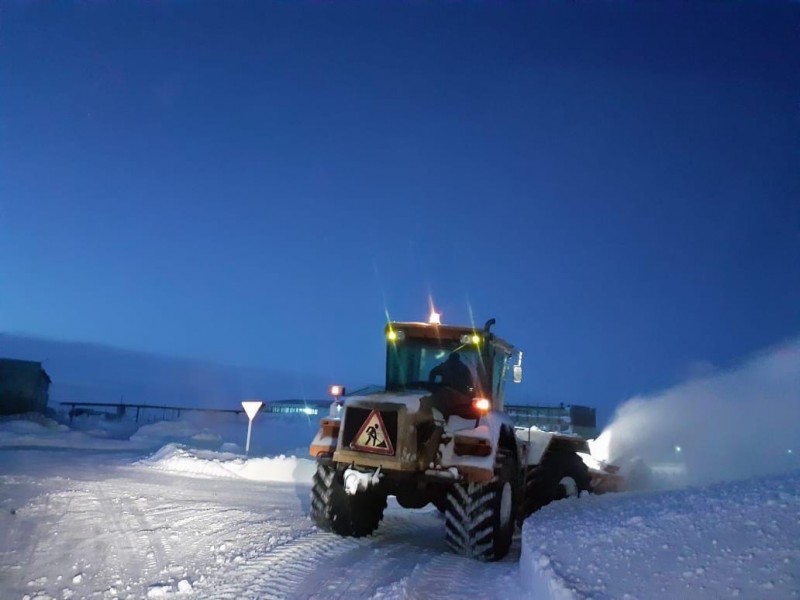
(476, 339)
(396, 336)
(482, 404)
(309, 411)
(789, 451)
(678, 449)
(435, 318)
(337, 390)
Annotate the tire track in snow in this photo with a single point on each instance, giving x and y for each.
(284, 567)
(236, 540)
(450, 576)
(120, 548)
(140, 547)
(149, 526)
(325, 565)
(105, 536)
(32, 523)
(381, 561)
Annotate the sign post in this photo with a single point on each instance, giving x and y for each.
(251, 408)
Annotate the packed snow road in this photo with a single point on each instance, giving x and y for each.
(177, 512)
(104, 525)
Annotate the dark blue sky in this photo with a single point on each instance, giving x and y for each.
(255, 183)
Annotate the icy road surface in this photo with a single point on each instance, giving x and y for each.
(104, 525)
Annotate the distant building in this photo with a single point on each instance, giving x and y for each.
(298, 407)
(24, 386)
(313, 407)
(581, 420)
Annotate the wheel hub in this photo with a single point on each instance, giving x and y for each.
(505, 504)
(569, 487)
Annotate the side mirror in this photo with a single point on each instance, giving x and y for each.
(517, 373)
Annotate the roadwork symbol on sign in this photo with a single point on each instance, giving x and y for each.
(373, 437)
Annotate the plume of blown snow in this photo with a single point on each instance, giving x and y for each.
(730, 425)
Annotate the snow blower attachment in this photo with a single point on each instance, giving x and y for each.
(438, 434)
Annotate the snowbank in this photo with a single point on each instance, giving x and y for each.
(34, 430)
(175, 458)
(177, 430)
(726, 540)
(273, 434)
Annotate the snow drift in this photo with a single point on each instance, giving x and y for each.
(735, 539)
(175, 458)
(730, 425)
(273, 434)
(37, 431)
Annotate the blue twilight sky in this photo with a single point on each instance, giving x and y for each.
(256, 183)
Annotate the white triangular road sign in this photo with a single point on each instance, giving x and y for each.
(373, 437)
(251, 407)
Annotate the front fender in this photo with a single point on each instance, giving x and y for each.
(471, 445)
(535, 443)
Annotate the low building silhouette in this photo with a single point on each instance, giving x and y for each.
(24, 386)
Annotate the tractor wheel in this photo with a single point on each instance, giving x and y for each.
(441, 504)
(559, 475)
(479, 517)
(334, 510)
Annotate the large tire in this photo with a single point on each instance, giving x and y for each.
(479, 517)
(332, 509)
(559, 475)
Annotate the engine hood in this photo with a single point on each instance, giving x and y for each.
(411, 400)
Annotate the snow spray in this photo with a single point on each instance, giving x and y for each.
(729, 425)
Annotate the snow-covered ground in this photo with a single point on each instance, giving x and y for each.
(179, 511)
(725, 540)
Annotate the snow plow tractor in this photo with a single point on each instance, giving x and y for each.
(438, 434)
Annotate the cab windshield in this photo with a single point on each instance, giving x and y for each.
(419, 364)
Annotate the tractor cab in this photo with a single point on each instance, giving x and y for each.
(464, 368)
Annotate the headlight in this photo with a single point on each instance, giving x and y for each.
(482, 405)
(396, 336)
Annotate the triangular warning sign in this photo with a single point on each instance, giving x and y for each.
(373, 437)
(251, 407)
